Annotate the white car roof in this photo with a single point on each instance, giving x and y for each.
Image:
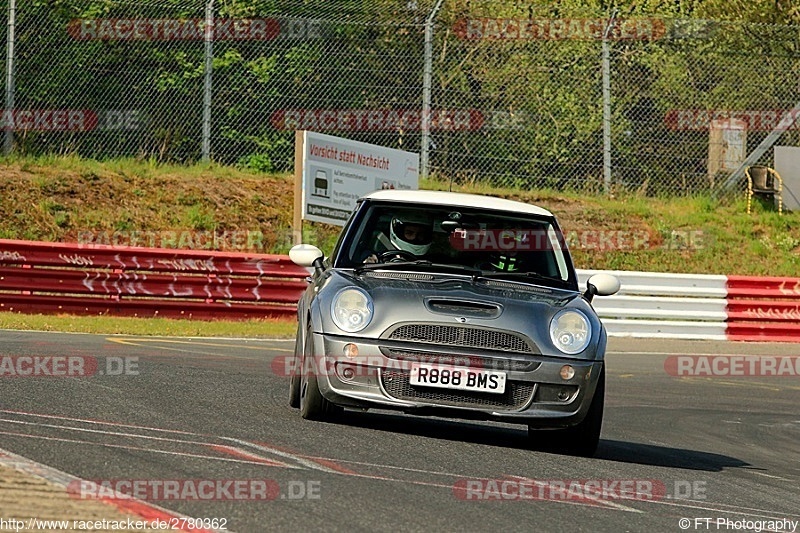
(457, 199)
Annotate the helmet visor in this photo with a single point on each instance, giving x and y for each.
(412, 232)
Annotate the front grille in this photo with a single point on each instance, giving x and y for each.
(516, 395)
(462, 360)
(487, 339)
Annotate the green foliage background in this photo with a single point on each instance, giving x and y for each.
(358, 54)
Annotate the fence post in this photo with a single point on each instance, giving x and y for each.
(8, 143)
(607, 105)
(427, 74)
(209, 39)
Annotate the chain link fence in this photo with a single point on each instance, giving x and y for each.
(504, 93)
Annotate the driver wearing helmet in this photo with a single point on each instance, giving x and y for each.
(411, 233)
(408, 234)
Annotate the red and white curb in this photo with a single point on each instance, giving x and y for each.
(126, 504)
(695, 306)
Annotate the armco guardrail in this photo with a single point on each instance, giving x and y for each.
(41, 277)
(649, 304)
(690, 306)
(764, 308)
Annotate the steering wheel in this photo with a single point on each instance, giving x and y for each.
(397, 254)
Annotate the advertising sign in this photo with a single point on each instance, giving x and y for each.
(334, 172)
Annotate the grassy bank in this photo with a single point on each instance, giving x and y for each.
(69, 199)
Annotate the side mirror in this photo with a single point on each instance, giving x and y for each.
(601, 285)
(306, 255)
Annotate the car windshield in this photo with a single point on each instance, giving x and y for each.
(496, 244)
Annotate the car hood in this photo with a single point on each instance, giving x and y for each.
(433, 298)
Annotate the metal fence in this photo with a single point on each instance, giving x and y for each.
(511, 94)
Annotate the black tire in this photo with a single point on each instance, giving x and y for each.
(312, 405)
(582, 439)
(294, 379)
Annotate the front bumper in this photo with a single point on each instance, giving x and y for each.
(378, 377)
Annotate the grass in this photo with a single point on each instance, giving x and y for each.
(67, 199)
(161, 327)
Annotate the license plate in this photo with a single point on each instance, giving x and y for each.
(448, 377)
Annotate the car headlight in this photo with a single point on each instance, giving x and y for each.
(351, 310)
(570, 331)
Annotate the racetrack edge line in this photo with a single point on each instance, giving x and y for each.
(140, 508)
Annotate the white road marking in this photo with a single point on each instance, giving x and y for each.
(136, 448)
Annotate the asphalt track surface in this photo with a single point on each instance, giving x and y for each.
(718, 447)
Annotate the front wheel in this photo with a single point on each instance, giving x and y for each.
(582, 439)
(294, 379)
(312, 404)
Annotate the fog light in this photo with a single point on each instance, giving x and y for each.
(348, 373)
(350, 350)
(555, 393)
(567, 373)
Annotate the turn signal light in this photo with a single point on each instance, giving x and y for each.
(350, 350)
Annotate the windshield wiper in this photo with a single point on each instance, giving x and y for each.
(424, 263)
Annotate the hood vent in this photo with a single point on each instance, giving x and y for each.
(465, 308)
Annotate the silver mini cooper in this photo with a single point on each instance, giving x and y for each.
(456, 305)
